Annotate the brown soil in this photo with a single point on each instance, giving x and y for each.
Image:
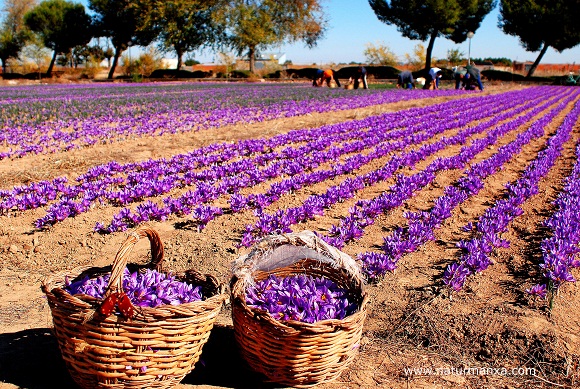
(412, 322)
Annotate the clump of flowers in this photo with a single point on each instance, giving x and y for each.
(300, 297)
(145, 289)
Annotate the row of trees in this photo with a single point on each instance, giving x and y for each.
(380, 54)
(181, 26)
(539, 24)
(248, 26)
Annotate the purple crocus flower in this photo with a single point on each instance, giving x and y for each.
(146, 289)
(538, 290)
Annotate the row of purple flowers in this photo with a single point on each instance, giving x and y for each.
(496, 219)
(297, 159)
(376, 141)
(421, 225)
(281, 220)
(124, 184)
(82, 116)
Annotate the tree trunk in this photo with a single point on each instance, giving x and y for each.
(118, 52)
(179, 59)
(252, 58)
(3, 66)
(52, 61)
(430, 50)
(537, 62)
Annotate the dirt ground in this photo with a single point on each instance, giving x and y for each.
(412, 322)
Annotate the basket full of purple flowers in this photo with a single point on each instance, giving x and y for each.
(298, 308)
(128, 325)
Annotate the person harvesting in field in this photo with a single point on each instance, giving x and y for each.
(327, 75)
(405, 80)
(433, 78)
(359, 76)
(469, 76)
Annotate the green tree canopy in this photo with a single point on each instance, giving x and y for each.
(13, 32)
(422, 20)
(540, 24)
(184, 25)
(254, 25)
(61, 25)
(125, 22)
(455, 57)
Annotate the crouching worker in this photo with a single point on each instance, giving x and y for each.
(327, 75)
(405, 80)
(433, 78)
(458, 74)
(472, 78)
(359, 76)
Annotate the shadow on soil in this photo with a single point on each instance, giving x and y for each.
(31, 359)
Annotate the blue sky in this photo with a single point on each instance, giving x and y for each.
(353, 24)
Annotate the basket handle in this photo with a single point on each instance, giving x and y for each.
(120, 262)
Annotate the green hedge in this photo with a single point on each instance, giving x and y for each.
(174, 73)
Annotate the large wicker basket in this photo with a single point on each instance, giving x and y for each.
(291, 352)
(154, 349)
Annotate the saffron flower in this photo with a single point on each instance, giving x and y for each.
(145, 289)
(300, 297)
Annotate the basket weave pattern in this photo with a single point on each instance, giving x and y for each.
(154, 349)
(294, 353)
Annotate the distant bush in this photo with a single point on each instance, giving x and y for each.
(36, 75)
(498, 75)
(309, 73)
(174, 73)
(13, 76)
(377, 72)
(241, 74)
(496, 61)
(276, 74)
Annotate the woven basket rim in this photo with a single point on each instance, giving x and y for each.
(244, 266)
(53, 285)
(56, 282)
(238, 288)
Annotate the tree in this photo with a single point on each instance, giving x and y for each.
(61, 25)
(13, 32)
(125, 23)
(36, 51)
(540, 24)
(184, 25)
(228, 62)
(380, 54)
(145, 64)
(455, 57)
(254, 25)
(190, 61)
(417, 59)
(422, 20)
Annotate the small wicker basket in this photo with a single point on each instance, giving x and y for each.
(154, 349)
(291, 352)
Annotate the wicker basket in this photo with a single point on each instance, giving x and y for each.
(291, 352)
(154, 349)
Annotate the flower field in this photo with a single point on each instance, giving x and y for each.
(462, 209)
